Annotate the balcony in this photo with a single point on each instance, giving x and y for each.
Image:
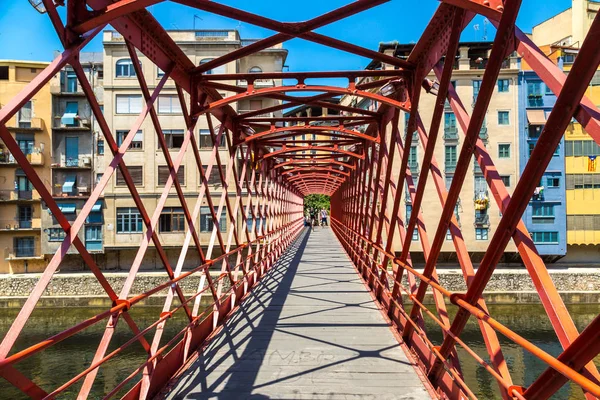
(35, 158)
(76, 191)
(18, 195)
(33, 125)
(414, 166)
(535, 100)
(258, 83)
(451, 133)
(21, 252)
(80, 124)
(22, 225)
(449, 169)
(483, 133)
(80, 162)
(265, 115)
(482, 221)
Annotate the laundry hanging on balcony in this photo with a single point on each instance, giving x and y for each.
(481, 201)
(538, 193)
(70, 116)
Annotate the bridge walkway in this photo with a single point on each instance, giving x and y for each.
(309, 330)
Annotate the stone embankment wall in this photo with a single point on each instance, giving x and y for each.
(507, 286)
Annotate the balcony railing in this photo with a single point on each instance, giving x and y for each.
(73, 162)
(265, 115)
(257, 83)
(483, 133)
(449, 169)
(34, 124)
(482, 221)
(77, 191)
(450, 133)
(14, 224)
(14, 195)
(34, 158)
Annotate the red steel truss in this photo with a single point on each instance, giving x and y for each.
(358, 158)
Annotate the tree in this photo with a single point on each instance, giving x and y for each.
(316, 202)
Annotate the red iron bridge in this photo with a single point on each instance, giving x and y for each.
(336, 313)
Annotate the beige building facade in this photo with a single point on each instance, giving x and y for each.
(476, 211)
(123, 227)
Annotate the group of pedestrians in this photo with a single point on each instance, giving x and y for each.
(314, 217)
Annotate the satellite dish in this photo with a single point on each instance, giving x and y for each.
(38, 5)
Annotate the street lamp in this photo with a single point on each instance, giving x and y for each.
(38, 5)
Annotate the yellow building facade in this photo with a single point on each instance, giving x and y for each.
(20, 205)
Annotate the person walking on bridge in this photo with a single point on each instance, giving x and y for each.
(324, 217)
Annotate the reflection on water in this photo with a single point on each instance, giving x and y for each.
(529, 321)
(59, 363)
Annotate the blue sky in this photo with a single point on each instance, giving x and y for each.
(28, 35)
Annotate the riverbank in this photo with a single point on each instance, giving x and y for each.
(507, 286)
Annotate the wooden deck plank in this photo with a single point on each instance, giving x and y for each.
(309, 330)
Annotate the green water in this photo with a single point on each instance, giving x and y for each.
(59, 363)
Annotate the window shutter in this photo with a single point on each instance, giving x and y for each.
(163, 174)
(135, 104)
(122, 104)
(136, 175)
(164, 104)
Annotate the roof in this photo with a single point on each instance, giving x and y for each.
(24, 62)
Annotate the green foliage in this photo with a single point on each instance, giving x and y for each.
(316, 201)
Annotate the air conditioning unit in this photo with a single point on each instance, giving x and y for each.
(85, 122)
(87, 161)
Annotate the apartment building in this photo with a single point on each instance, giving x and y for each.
(73, 164)
(20, 205)
(476, 210)
(145, 160)
(559, 38)
(545, 216)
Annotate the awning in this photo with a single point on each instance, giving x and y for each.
(66, 208)
(70, 114)
(97, 207)
(536, 117)
(69, 183)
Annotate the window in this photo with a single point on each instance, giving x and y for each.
(481, 234)
(569, 58)
(163, 175)
(412, 158)
(503, 118)
(56, 234)
(415, 234)
(450, 157)
(159, 72)
(136, 143)
(93, 238)
(221, 69)
(553, 181)
(25, 216)
(25, 115)
(124, 68)
(505, 180)
(129, 103)
(4, 73)
(24, 247)
(206, 219)
(504, 150)
(542, 210)
(99, 178)
(100, 147)
(450, 129)
(174, 138)
(172, 220)
(71, 84)
(503, 85)
(480, 184)
(544, 237)
(476, 87)
(581, 148)
(255, 70)
(129, 220)
(534, 94)
(214, 178)
(25, 142)
(549, 91)
(448, 235)
(169, 104)
(136, 173)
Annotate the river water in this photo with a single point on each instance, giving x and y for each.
(57, 364)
